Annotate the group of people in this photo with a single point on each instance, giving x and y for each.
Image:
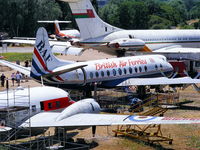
(14, 77)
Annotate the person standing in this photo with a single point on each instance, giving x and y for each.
(18, 78)
(13, 78)
(3, 77)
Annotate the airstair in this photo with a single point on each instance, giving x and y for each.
(147, 133)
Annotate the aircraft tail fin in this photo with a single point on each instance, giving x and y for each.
(89, 23)
(56, 24)
(43, 61)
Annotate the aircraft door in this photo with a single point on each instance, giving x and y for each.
(76, 77)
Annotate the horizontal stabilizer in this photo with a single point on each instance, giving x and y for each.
(19, 41)
(158, 81)
(55, 21)
(24, 70)
(66, 68)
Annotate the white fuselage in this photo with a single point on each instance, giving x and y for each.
(110, 72)
(154, 39)
(26, 102)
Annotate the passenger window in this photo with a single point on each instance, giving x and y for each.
(140, 69)
(57, 104)
(120, 71)
(97, 74)
(49, 105)
(145, 68)
(136, 69)
(108, 73)
(124, 70)
(161, 66)
(91, 75)
(130, 70)
(114, 72)
(102, 73)
(156, 67)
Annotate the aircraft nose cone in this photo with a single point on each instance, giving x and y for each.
(169, 69)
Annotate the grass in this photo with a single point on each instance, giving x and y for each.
(128, 143)
(17, 56)
(194, 142)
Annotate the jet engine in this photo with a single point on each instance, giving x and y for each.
(126, 43)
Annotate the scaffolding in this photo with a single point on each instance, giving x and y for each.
(22, 138)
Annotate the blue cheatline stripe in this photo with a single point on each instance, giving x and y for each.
(37, 68)
(38, 77)
(34, 76)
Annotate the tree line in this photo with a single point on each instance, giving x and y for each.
(151, 14)
(19, 17)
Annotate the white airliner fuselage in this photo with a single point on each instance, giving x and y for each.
(105, 72)
(110, 39)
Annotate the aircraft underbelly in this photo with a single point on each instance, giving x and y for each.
(155, 46)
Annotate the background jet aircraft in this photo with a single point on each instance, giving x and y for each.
(99, 35)
(63, 35)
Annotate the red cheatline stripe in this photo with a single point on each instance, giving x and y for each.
(43, 64)
(40, 59)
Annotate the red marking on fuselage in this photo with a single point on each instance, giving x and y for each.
(43, 64)
(55, 104)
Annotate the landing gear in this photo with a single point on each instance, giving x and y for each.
(141, 90)
(120, 53)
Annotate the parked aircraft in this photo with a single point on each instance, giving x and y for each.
(63, 35)
(99, 35)
(18, 101)
(57, 46)
(106, 73)
(51, 107)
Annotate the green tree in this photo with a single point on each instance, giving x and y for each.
(157, 22)
(110, 14)
(133, 15)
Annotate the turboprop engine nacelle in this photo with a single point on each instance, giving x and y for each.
(126, 43)
(83, 106)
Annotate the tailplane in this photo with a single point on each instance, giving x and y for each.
(43, 61)
(89, 23)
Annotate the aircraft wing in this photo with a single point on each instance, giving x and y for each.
(158, 81)
(85, 119)
(177, 49)
(19, 41)
(24, 70)
(57, 46)
(4, 129)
